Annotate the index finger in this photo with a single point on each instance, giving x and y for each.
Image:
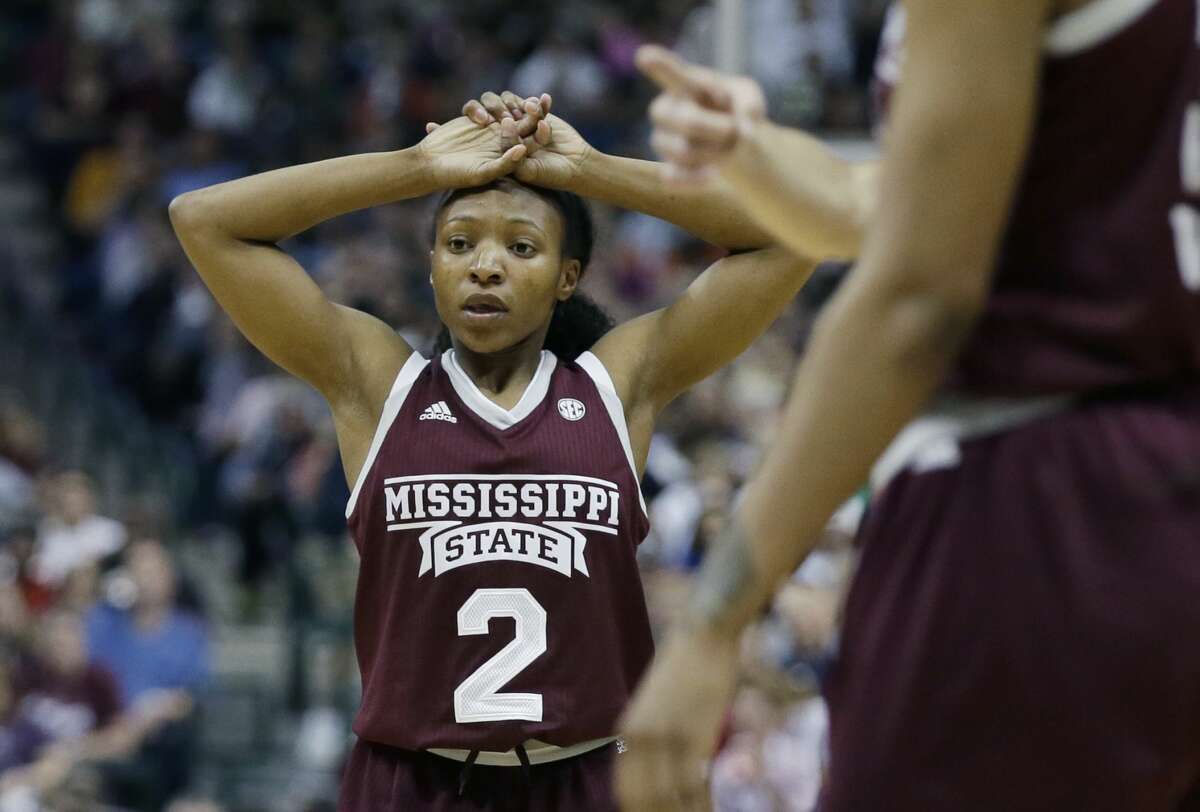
(675, 75)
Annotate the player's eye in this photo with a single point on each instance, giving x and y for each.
(523, 249)
(457, 244)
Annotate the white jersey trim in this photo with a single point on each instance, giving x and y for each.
(487, 409)
(594, 367)
(932, 441)
(391, 407)
(1093, 24)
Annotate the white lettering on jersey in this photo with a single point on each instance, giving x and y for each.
(535, 529)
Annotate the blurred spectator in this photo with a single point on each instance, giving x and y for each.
(21, 738)
(159, 656)
(270, 426)
(16, 494)
(21, 451)
(202, 163)
(106, 174)
(565, 69)
(31, 765)
(799, 50)
(773, 762)
(226, 95)
(152, 647)
(73, 536)
(60, 691)
(155, 76)
(26, 594)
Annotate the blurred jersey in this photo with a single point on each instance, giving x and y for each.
(499, 598)
(1097, 283)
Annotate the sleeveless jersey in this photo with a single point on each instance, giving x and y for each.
(1097, 283)
(499, 598)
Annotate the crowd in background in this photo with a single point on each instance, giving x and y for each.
(116, 106)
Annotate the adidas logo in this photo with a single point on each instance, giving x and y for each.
(438, 411)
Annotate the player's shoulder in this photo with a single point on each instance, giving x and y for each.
(621, 353)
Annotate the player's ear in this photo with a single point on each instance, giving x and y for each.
(568, 278)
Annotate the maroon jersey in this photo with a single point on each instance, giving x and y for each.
(1098, 277)
(499, 598)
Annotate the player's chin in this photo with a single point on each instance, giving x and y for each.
(488, 335)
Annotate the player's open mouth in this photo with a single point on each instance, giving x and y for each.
(484, 304)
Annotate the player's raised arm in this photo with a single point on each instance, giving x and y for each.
(560, 158)
(793, 186)
(230, 231)
(960, 131)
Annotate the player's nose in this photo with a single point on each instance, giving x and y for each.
(487, 265)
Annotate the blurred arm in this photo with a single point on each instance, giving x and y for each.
(801, 192)
(961, 127)
(795, 188)
(711, 211)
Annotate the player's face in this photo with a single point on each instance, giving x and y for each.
(498, 268)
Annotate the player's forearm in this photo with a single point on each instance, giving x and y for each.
(711, 212)
(797, 189)
(873, 363)
(274, 205)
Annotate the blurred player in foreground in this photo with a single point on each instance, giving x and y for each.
(500, 623)
(1023, 632)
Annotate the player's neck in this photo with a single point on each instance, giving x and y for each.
(501, 376)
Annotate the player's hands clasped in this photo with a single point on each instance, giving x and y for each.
(463, 154)
(555, 153)
(701, 116)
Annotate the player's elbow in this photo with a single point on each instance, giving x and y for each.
(192, 212)
(185, 212)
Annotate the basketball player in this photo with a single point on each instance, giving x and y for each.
(1023, 632)
(499, 622)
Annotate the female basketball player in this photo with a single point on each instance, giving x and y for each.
(1023, 632)
(499, 622)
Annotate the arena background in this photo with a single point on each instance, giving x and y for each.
(151, 462)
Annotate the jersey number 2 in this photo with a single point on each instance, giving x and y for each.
(478, 699)
(1185, 219)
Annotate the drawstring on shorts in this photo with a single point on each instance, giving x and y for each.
(466, 771)
(523, 757)
(465, 774)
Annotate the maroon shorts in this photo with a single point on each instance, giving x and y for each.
(1023, 632)
(379, 778)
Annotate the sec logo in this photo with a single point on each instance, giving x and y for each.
(571, 409)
